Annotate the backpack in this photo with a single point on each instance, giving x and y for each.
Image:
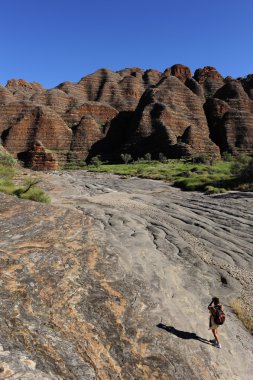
(219, 316)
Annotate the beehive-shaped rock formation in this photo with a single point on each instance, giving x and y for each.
(130, 110)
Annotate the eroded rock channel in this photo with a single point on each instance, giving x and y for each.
(86, 281)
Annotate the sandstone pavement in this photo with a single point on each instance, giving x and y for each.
(112, 281)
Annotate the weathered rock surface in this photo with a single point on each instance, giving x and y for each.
(22, 123)
(233, 93)
(38, 158)
(56, 99)
(170, 119)
(248, 85)
(110, 97)
(23, 89)
(83, 287)
(230, 118)
(210, 79)
(90, 123)
(180, 71)
(6, 96)
(110, 87)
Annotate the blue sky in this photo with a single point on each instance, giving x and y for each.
(51, 41)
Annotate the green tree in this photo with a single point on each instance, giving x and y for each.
(126, 157)
(240, 164)
(147, 157)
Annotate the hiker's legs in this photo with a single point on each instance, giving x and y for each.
(215, 334)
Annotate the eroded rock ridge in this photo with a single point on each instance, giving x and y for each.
(129, 111)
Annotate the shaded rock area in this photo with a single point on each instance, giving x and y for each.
(92, 117)
(163, 117)
(38, 158)
(113, 281)
(230, 118)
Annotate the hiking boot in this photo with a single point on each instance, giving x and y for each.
(218, 345)
(213, 341)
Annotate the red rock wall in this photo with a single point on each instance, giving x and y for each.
(162, 118)
(168, 117)
(24, 123)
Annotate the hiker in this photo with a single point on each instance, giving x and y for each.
(217, 318)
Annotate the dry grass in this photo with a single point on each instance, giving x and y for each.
(238, 307)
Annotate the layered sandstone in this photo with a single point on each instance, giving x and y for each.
(74, 90)
(210, 79)
(101, 112)
(109, 87)
(113, 112)
(56, 99)
(248, 85)
(89, 123)
(38, 158)
(22, 123)
(6, 96)
(230, 118)
(180, 71)
(170, 119)
(233, 93)
(151, 77)
(22, 89)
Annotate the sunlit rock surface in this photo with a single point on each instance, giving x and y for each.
(86, 281)
(110, 97)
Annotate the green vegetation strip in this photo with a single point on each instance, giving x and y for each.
(217, 177)
(27, 190)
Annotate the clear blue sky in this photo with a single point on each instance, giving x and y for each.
(51, 41)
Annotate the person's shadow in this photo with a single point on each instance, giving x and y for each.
(182, 334)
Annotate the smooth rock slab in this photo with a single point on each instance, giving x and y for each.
(114, 282)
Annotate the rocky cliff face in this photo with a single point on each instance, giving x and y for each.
(132, 111)
(170, 119)
(230, 118)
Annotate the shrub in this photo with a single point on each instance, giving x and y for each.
(7, 160)
(37, 195)
(214, 190)
(247, 172)
(226, 156)
(140, 171)
(6, 172)
(29, 184)
(147, 157)
(96, 161)
(240, 311)
(162, 157)
(126, 157)
(200, 159)
(7, 187)
(239, 164)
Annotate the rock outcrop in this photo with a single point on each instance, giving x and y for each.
(170, 119)
(106, 86)
(230, 118)
(107, 113)
(210, 79)
(180, 71)
(101, 285)
(39, 158)
(6, 96)
(23, 89)
(89, 123)
(248, 85)
(22, 123)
